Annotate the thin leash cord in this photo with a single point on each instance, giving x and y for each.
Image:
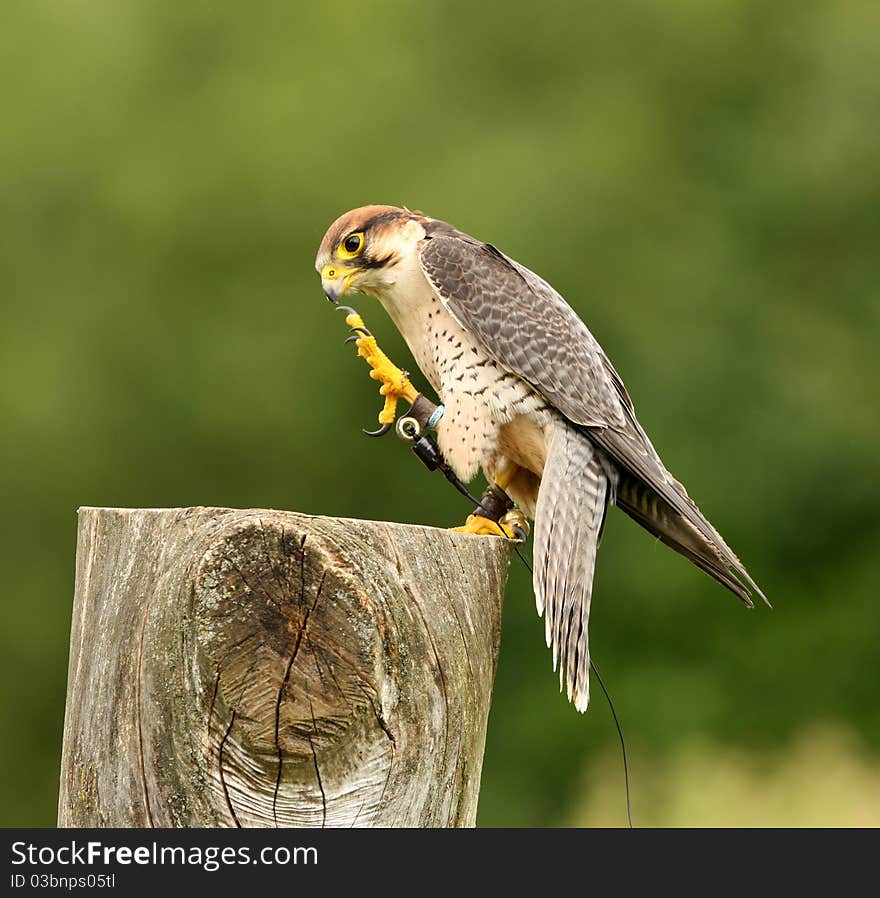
(629, 818)
(601, 682)
(453, 479)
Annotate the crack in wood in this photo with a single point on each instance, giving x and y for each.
(213, 700)
(272, 566)
(392, 745)
(222, 774)
(427, 629)
(283, 688)
(137, 691)
(317, 768)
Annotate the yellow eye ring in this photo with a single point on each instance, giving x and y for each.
(351, 246)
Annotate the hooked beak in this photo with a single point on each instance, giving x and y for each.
(332, 290)
(336, 280)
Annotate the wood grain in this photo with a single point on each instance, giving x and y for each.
(268, 668)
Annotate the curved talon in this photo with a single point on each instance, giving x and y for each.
(361, 333)
(395, 382)
(515, 525)
(380, 432)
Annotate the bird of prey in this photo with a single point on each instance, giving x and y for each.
(527, 395)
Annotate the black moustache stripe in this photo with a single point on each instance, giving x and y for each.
(378, 263)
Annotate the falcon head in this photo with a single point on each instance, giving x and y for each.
(362, 250)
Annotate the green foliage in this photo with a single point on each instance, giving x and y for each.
(700, 179)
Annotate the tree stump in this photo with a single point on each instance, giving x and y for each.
(268, 668)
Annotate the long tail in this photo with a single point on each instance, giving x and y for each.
(579, 481)
(689, 534)
(649, 494)
(572, 501)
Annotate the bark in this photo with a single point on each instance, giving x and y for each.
(268, 668)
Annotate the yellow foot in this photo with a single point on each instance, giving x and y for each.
(395, 382)
(512, 526)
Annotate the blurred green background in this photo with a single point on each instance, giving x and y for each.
(701, 179)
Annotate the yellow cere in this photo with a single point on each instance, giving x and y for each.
(332, 271)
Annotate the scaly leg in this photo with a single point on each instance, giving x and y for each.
(395, 382)
(511, 522)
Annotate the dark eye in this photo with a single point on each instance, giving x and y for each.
(353, 243)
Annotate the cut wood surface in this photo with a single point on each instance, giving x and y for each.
(268, 668)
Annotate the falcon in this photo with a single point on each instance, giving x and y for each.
(528, 396)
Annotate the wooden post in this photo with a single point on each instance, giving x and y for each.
(267, 668)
